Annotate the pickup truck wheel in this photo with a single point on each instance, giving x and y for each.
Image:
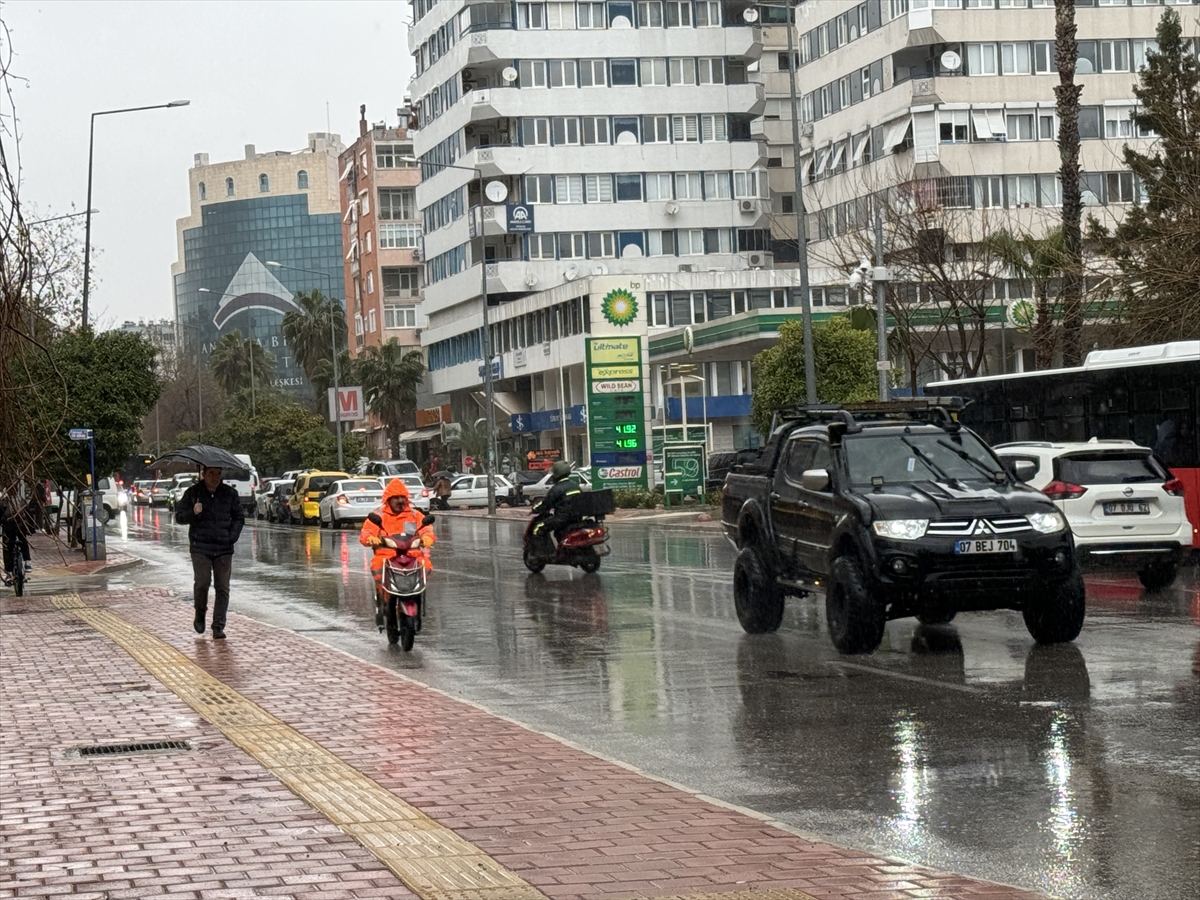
(1058, 617)
(757, 599)
(855, 619)
(1158, 577)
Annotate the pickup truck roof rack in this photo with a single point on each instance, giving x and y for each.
(940, 411)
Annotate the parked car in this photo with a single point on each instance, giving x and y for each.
(419, 496)
(541, 487)
(351, 500)
(244, 481)
(378, 468)
(277, 501)
(262, 494)
(1125, 509)
(471, 490)
(895, 510)
(179, 484)
(159, 491)
(304, 506)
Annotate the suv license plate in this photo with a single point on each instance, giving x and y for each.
(1127, 508)
(987, 545)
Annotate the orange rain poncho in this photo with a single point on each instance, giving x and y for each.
(372, 535)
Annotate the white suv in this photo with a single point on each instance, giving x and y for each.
(1123, 505)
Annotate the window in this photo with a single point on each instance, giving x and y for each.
(954, 126)
(1119, 187)
(541, 246)
(535, 132)
(592, 73)
(400, 282)
(1114, 56)
(1140, 49)
(708, 14)
(598, 188)
(720, 240)
(358, 325)
(532, 73)
(595, 130)
(623, 72)
(714, 128)
(369, 248)
(688, 186)
(1020, 126)
(712, 70)
(1088, 60)
(657, 129)
(590, 15)
(1089, 122)
(660, 243)
(658, 186)
(657, 307)
(650, 14)
(686, 129)
(1021, 190)
(302, 180)
(679, 13)
(1117, 123)
(746, 185)
(683, 70)
(397, 203)
(1043, 58)
(399, 316)
(568, 188)
(560, 16)
(264, 184)
(981, 59)
(539, 189)
(716, 186)
(629, 187)
(531, 15)
(572, 246)
(563, 73)
(691, 242)
(1015, 59)
(228, 187)
(1091, 188)
(394, 236)
(372, 321)
(1049, 190)
(843, 89)
(654, 72)
(600, 245)
(1047, 126)
(625, 130)
(393, 156)
(203, 191)
(564, 131)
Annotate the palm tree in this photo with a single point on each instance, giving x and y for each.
(235, 358)
(389, 378)
(311, 333)
(1040, 261)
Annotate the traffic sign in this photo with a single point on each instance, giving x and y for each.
(80, 434)
(468, 462)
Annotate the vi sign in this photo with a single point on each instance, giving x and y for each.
(347, 406)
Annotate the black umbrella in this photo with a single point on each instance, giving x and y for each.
(442, 474)
(203, 455)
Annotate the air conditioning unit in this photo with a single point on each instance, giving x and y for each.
(759, 259)
(806, 130)
(748, 206)
(417, 333)
(468, 74)
(416, 252)
(469, 130)
(685, 267)
(405, 294)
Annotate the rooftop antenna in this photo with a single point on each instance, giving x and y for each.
(328, 129)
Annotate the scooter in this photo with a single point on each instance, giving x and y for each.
(584, 545)
(404, 581)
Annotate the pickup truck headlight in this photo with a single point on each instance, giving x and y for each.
(901, 529)
(1047, 522)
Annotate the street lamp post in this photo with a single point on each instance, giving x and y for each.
(253, 404)
(87, 227)
(337, 421)
(489, 387)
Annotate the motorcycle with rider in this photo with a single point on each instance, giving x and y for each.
(567, 525)
(400, 537)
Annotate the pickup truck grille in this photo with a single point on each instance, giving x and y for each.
(977, 527)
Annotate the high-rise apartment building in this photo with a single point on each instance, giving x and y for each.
(279, 207)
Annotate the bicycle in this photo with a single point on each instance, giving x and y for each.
(18, 576)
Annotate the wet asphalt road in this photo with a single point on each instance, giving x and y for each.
(1074, 770)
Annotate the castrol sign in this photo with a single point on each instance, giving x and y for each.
(620, 473)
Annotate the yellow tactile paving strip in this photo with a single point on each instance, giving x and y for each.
(432, 861)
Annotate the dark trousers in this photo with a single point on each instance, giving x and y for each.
(209, 569)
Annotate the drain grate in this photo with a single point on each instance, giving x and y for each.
(118, 749)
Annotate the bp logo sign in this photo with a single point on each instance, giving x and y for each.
(619, 307)
(1021, 314)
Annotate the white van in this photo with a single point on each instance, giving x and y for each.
(245, 482)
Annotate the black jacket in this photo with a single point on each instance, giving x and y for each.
(220, 523)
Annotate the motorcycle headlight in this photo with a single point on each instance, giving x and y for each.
(1047, 522)
(901, 529)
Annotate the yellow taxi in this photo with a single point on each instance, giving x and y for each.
(304, 506)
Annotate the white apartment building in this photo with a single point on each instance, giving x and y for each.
(626, 128)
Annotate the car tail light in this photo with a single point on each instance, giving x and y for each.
(1063, 490)
(425, 492)
(1174, 487)
(342, 500)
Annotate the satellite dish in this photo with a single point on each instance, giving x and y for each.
(627, 137)
(509, 74)
(600, 269)
(750, 15)
(620, 22)
(572, 272)
(672, 208)
(951, 60)
(496, 191)
(530, 280)
(631, 251)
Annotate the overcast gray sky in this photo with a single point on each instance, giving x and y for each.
(256, 72)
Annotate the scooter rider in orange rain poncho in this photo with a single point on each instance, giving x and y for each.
(395, 512)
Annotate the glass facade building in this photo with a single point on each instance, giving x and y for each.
(227, 256)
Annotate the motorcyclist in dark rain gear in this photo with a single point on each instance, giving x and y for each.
(557, 510)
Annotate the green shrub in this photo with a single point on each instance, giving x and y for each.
(713, 497)
(634, 498)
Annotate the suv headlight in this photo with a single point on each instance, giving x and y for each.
(1047, 522)
(901, 529)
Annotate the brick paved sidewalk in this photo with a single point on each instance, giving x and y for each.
(212, 822)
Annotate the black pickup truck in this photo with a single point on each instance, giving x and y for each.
(893, 510)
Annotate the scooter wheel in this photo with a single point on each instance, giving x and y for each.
(390, 622)
(406, 634)
(533, 562)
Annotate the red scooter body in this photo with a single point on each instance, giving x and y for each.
(584, 545)
(404, 581)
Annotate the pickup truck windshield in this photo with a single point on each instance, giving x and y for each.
(908, 458)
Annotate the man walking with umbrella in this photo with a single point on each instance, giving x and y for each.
(213, 513)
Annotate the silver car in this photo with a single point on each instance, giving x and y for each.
(541, 488)
(349, 500)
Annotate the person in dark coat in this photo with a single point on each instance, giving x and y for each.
(213, 513)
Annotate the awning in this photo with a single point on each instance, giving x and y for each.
(350, 210)
(838, 149)
(346, 171)
(823, 158)
(421, 434)
(895, 133)
(805, 168)
(989, 124)
(865, 139)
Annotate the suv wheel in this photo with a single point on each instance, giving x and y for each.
(1158, 577)
(1058, 617)
(757, 599)
(856, 621)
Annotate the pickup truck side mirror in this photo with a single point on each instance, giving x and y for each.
(1024, 469)
(815, 480)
